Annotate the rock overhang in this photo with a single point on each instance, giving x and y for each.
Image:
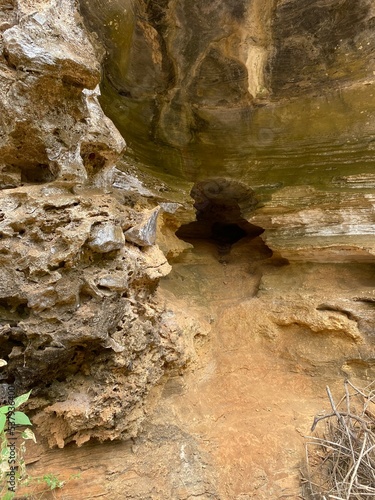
(219, 95)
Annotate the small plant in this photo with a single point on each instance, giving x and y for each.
(12, 463)
(52, 481)
(8, 413)
(37, 487)
(13, 473)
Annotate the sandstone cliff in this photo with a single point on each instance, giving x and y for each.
(190, 293)
(276, 94)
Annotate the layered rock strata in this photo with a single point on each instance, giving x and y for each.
(278, 95)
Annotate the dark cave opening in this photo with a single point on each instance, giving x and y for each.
(227, 234)
(219, 205)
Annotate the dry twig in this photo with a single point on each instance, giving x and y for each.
(340, 463)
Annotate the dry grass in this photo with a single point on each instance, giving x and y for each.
(340, 461)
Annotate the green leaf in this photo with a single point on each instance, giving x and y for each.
(21, 399)
(53, 481)
(21, 419)
(3, 421)
(4, 410)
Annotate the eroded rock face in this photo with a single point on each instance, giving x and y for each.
(184, 66)
(321, 43)
(278, 95)
(78, 324)
(233, 425)
(48, 99)
(210, 93)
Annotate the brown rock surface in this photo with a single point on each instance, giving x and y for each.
(233, 425)
(78, 322)
(260, 114)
